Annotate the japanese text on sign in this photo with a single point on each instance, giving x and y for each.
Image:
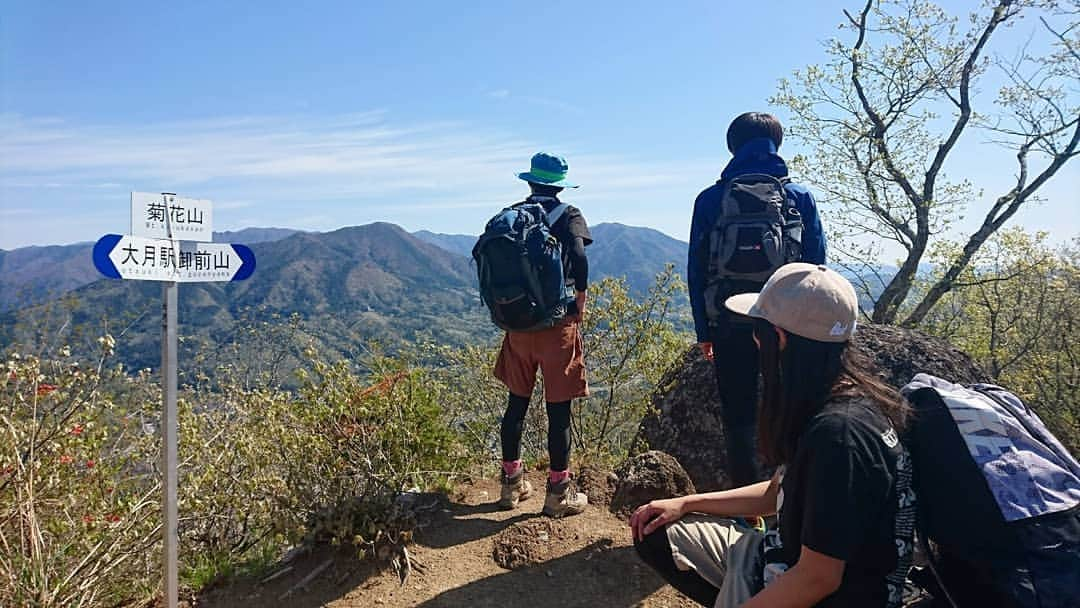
(131, 257)
(170, 216)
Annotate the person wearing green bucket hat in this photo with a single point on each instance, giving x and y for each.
(547, 170)
(556, 347)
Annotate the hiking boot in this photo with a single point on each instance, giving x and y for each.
(514, 489)
(563, 499)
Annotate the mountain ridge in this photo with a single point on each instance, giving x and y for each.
(39, 273)
(345, 288)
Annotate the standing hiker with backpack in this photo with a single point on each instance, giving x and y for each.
(527, 258)
(748, 224)
(842, 491)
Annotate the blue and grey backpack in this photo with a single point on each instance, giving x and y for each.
(519, 264)
(998, 496)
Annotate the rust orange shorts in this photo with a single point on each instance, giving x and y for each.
(558, 352)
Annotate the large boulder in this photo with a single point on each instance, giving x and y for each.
(647, 477)
(686, 422)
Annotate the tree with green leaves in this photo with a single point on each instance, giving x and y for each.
(1016, 310)
(881, 119)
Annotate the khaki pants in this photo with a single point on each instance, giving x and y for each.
(727, 555)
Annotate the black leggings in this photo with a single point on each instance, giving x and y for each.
(735, 360)
(558, 436)
(655, 551)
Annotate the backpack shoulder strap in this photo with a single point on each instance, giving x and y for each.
(554, 215)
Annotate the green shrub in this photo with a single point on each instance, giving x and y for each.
(79, 496)
(261, 469)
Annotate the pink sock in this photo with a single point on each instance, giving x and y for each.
(511, 467)
(557, 476)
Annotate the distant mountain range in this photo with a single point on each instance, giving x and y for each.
(460, 244)
(34, 275)
(346, 287)
(343, 288)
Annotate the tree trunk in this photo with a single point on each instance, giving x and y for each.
(888, 303)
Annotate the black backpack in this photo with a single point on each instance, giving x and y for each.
(519, 265)
(757, 230)
(998, 495)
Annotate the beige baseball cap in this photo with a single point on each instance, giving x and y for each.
(811, 301)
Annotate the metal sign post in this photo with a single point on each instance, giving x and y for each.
(169, 431)
(145, 256)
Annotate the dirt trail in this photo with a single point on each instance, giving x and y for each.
(585, 560)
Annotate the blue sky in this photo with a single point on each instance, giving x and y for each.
(330, 114)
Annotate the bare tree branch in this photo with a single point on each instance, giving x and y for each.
(1068, 44)
(878, 134)
(1000, 212)
(1001, 14)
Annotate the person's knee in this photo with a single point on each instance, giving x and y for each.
(645, 551)
(639, 546)
(654, 547)
(558, 414)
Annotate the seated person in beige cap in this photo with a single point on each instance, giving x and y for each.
(842, 489)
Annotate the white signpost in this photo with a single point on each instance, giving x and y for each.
(135, 257)
(167, 216)
(154, 252)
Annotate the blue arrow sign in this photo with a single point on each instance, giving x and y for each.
(102, 249)
(131, 257)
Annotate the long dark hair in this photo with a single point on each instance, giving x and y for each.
(801, 378)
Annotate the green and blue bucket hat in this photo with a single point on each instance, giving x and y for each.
(547, 169)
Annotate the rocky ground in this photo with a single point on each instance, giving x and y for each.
(469, 553)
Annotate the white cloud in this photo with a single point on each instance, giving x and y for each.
(535, 100)
(325, 172)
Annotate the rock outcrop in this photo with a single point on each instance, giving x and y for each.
(687, 423)
(647, 477)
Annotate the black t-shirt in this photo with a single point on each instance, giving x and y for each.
(568, 228)
(847, 493)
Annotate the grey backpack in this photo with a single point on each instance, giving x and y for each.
(757, 231)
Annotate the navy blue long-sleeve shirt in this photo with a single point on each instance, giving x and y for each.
(755, 156)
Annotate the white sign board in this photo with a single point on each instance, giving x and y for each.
(154, 215)
(133, 257)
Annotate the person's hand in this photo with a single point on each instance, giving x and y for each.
(706, 350)
(580, 297)
(647, 518)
